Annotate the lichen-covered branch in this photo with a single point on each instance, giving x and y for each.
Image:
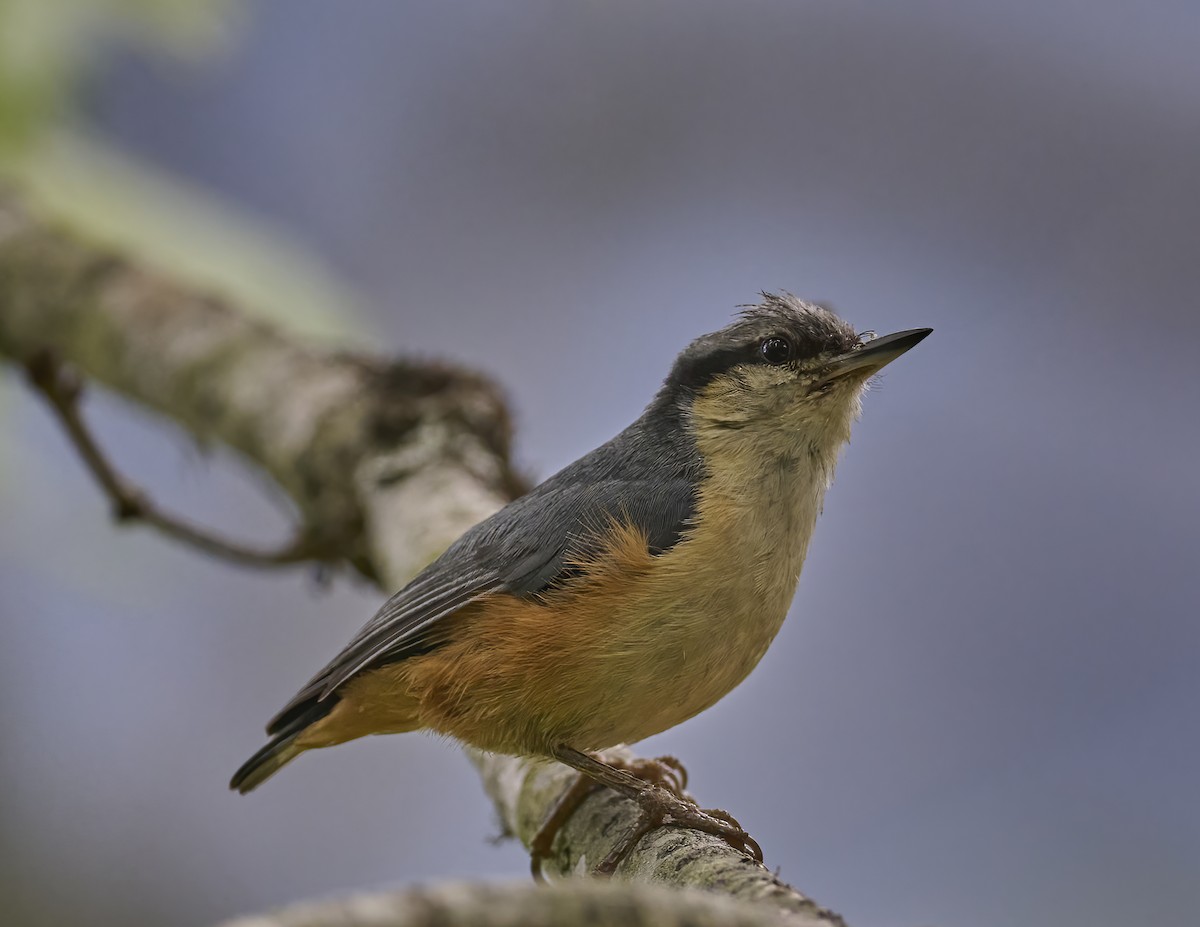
(366, 448)
(523, 790)
(579, 904)
(392, 459)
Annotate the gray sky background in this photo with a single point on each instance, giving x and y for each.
(983, 708)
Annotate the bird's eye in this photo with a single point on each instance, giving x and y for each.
(776, 351)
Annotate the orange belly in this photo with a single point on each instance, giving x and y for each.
(632, 647)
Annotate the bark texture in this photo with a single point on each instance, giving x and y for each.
(391, 461)
(579, 904)
(523, 790)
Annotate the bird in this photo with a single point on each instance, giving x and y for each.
(626, 593)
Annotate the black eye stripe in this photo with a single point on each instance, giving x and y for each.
(721, 353)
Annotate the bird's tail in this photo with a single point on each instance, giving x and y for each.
(280, 751)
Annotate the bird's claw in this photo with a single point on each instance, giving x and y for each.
(739, 840)
(662, 808)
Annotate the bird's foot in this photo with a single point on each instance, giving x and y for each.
(659, 788)
(662, 808)
(663, 774)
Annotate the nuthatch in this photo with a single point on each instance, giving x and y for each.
(629, 591)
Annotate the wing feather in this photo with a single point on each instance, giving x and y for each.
(524, 548)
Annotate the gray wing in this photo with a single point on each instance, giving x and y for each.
(523, 549)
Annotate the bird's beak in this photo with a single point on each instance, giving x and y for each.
(875, 355)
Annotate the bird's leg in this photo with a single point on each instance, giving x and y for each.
(658, 788)
(664, 771)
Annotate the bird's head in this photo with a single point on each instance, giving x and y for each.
(785, 376)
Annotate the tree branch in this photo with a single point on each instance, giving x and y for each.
(523, 790)
(393, 459)
(62, 388)
(577, 904)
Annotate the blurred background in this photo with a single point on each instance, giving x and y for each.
(983, 708)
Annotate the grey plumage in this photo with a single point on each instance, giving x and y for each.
(529, 545)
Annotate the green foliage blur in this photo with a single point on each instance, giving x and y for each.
(47, 46)
(49, 50)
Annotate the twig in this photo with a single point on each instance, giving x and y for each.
(62, 388)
